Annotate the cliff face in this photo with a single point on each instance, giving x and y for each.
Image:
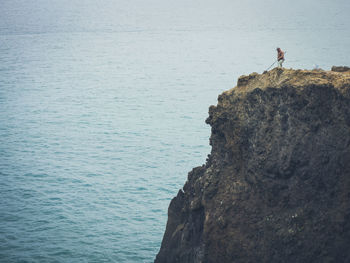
(276, 186)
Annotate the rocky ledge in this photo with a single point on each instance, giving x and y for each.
(276, 186)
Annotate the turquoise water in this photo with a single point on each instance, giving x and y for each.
(102, 109)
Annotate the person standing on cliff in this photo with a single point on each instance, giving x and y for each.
(280, 57)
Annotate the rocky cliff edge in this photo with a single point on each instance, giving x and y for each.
(276, 186)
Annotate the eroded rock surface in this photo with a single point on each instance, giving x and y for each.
(276, 186)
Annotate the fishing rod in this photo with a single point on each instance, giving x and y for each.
(271, 65)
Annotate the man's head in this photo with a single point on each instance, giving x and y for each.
(278, 49)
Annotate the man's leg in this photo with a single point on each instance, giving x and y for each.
(281, 62)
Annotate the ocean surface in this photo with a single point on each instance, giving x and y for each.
(103, 107)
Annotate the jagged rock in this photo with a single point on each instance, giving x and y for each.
(276, 186)
(340, 69)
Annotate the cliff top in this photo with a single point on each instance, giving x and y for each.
(338, 77)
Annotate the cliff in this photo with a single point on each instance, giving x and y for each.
(276, 186)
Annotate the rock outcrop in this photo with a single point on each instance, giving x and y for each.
(276, 186)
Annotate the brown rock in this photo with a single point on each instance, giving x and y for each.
(340, 69)
(276, 186)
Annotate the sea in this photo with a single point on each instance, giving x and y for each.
(103, 106)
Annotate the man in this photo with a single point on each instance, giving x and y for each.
(280, 57)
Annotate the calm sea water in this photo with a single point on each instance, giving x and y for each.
(103, 103)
